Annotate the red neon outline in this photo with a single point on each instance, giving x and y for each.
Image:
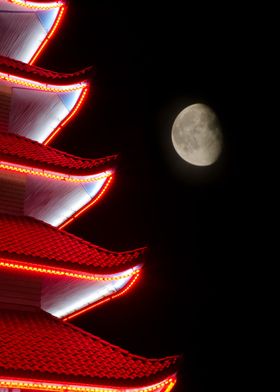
(53, 88)
(88, 205)
(31, 267)
(39, 385)
(49, 35)
(37, 5)
(56, 175)
(121, 292)
(69, 116)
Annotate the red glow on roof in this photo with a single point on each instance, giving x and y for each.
(30, 267)
(90, 204)
(38, 5)
(68, 118)
(40, 346)
(127, 287)
(49, 35)
(166, 384)
(25, 239)
(42, 86)
(53, 175)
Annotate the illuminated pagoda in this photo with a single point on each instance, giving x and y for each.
(47, 275)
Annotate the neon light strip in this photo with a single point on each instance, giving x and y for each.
(63, 272)
(68, 117)
(102, 301)
(167, 384)
(49, 35)
(54, 175)
(170, 386)
(41, 86)
(39, 6)
(87, 206)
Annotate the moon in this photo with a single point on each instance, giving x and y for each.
(197, 136)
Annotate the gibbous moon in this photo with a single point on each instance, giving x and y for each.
(197, 136)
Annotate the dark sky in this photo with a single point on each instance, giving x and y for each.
(149, 64)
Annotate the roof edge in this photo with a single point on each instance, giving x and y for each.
(38, 74)
(94, 165)
(33, 381)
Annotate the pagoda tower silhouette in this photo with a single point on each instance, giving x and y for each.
(47, 275)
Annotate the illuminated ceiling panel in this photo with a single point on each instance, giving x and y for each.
(26, 27)
(47, 199)
(66, 275)
(55, 202)
(48, 184)
(60, 295)
(37, 113)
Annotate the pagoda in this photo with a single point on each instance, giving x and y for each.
(47, 275)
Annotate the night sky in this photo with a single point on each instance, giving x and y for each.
(148, 65)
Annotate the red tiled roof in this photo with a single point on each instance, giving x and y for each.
(23, 151)
(18, 68)
(29, 240)
(39, 346)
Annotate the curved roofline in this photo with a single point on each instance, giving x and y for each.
(75, 327)
(41, 385)
(78, 274)
(58, 176)
(23, 155)
(45, 5)
(120, 368)
(34, 76)
(130, 275)
(17, 258)
(86, 272)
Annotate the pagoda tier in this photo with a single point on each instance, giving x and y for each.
(41, 352)
(65, 275)
(38, 103)
(47, 184)
(27, 26)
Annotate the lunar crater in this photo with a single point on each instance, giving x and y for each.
(197, 136)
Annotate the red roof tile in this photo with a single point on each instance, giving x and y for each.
(29, 240)
(32, 72)
(39, 346)
(23, 151)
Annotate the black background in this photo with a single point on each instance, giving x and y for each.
(150, 63)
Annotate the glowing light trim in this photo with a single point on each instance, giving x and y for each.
(39, 6)
(87, 206)
(84, 300)
(68, 117)
(55, 175)
(43, 7)
(127, 287)
(30, 267)
(163, 386)
(42, 86)
(48, 36)
(83, 86)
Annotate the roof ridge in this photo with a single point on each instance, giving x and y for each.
(8, 63)
(114, 346)
(98, 248)
(49, 148)
(77, 355)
